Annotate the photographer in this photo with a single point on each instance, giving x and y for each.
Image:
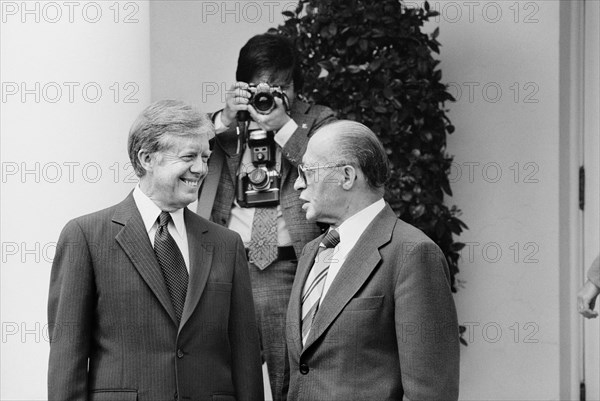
(262, 134)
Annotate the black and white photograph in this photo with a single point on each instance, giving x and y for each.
(300, 200)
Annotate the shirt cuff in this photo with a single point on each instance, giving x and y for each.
(219, 126)
(594, 272)
(285, 132)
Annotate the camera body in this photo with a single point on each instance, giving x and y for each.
(260, 186)
(262, 97)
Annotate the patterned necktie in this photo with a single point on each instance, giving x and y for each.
(171, 263)
(263, 240)
(313, 288)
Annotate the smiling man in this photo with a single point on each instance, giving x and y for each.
(149, 301)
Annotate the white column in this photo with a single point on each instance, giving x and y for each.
(74, 77)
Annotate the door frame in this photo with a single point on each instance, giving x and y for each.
(579, 230)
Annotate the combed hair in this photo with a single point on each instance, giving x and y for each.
(158, 123)
(359, 146)
(273, 54)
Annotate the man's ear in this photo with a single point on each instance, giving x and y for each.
(348, 177)
(146, 159)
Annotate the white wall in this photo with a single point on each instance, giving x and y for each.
(507, 137)
(63, 154)
(195, 45)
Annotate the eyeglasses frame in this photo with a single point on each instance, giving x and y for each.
(302, 169)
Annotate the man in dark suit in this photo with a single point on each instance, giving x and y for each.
(371, 315)
(273, 228)
(149, 301)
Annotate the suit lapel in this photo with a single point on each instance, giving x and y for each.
(300, 136)
(201, 256)
(286, 168)
(134, 240)
(359, 264)
(304, 265)
(226, 146)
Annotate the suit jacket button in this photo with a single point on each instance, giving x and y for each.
(180, 353)
(304, 368)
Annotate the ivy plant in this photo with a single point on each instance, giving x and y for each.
(370, 61)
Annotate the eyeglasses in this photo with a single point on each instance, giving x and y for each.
(302, 169)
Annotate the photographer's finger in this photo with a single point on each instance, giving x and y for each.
(238, 90)
(242, 100)
(260, 119)
(254, 114)
(589, 314)
(230, 95)
(240, 86)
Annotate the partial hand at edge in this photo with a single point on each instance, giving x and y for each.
(586, 300)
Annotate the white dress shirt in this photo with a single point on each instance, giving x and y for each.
(350, 231)
(176, 226)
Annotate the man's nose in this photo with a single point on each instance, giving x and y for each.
(200, 166)
(299, 184)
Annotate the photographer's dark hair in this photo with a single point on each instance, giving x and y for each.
(270, 53)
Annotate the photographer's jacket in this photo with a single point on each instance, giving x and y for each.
(308, 118)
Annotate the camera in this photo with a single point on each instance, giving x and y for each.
(262, 97)
(260, 186)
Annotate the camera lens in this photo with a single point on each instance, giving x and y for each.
(259, 178)
(262, 99)
(264, 102)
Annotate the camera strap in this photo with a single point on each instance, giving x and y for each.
(208, 192)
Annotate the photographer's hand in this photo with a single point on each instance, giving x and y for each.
(236, 100)
(272, 121)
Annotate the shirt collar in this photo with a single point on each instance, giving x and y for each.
(351, 229)
(150, 212)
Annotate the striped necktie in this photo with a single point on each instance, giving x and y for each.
(171, 263)
(313, 288)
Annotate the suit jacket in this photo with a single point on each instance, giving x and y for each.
(308, 118)
(387, 327)
(109, 306)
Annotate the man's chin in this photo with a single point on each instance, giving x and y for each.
(310, 217)
(186, 199)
